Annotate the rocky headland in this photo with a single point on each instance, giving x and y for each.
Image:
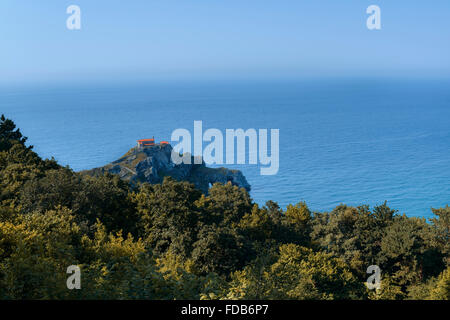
(152, 163)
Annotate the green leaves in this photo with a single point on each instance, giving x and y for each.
(295, 272)
(9, 135)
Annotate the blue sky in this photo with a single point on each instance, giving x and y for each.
(205, 39)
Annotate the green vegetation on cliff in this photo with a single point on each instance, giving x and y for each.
(171, 241)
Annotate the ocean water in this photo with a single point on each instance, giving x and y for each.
(341, 141)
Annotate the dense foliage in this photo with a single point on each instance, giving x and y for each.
(170, 241)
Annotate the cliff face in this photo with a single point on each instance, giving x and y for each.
(152, 164)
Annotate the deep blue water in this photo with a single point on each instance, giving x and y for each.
(341, 141)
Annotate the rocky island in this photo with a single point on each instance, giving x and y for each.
(153, 162)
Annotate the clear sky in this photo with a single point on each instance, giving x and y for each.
(165, 39)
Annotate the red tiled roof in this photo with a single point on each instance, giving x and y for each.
(145, 140)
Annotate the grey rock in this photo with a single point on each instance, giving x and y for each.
(152, 164)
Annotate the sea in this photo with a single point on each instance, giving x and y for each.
(341, 141)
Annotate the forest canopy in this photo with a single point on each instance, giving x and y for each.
(170, 241)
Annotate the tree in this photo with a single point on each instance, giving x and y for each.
(35, 251)
(257, 225)
(169, 216)
(441, 225)
(442, 289)
(299, 218)
(218, 249)
(105, 198)
(18, 163)
(403, 249)
(9, 134)
(225, 204)
(295, 272)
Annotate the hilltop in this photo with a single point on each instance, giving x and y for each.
(152, 163)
